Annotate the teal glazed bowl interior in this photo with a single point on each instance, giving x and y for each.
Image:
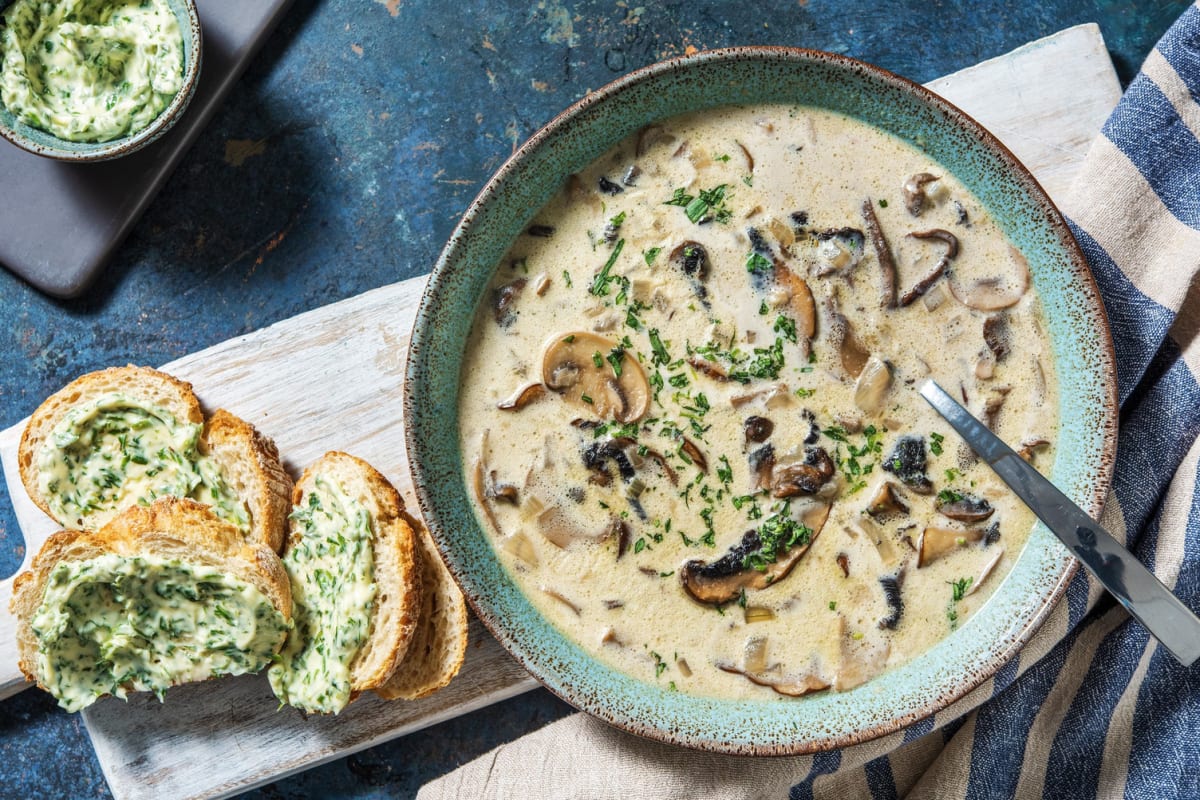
(45, 144)
(1078, 329)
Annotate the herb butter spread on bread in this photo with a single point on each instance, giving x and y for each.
(161, 596)
(356, 588)
(129, 435)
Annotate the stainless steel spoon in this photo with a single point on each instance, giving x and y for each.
(1134, 586)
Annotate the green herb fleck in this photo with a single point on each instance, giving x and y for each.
(600, 283)
(777, 534)
(756, 262)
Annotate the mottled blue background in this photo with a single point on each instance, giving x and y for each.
(342, 161)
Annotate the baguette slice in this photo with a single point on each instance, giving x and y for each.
(440, 644)
(328, 495)
(249, 464)
(228, 451)
(168, 529)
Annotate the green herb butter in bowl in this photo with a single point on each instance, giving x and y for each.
(91, 80)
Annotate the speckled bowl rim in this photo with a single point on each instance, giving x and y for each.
(36, 141)
(929, 683)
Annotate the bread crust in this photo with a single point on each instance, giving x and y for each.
(250, 463)
(394, 614)
(148, 384)
(437, 651)
(169, 527)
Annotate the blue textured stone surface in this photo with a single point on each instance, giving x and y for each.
(341, 162)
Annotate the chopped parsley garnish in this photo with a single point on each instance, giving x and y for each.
(762, 309)
(757, 262)
(767, 363)
(777, 534)
(597, 359)
(858, 460)
(958, 590)
(787, 327)
(614, 358)
(948, 496)
(660, 666)
(935, 443)
(724, 471)
(709, 204)
(600, 283)
(567, 278)
(651, 254)
(661, 356)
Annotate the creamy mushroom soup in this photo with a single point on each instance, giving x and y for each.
(689, 415)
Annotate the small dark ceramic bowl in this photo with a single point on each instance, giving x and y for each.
(46, 144)
(1075, 318)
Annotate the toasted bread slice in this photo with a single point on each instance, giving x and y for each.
(127, 435)
(149, 387)
(171, 607)
(437, 650)
(249, 464)
(350, 556)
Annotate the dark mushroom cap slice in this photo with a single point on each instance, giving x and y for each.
(569, 367)
(883, 253)
(895, 603)
(502, 300)
(907, 462)
(914, 191)
(806, 477)
(723, 580)
(939, 268)
(691, 258)
(997, 335)
(965, 508)
(758, 429)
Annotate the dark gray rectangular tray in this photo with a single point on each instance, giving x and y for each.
(59, 223)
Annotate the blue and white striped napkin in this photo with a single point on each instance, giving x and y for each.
(1092, 707)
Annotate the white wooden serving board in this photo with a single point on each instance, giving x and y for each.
(331, 379)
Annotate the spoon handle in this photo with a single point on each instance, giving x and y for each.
(1127, 579)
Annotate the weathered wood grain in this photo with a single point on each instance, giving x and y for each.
(331, 378)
